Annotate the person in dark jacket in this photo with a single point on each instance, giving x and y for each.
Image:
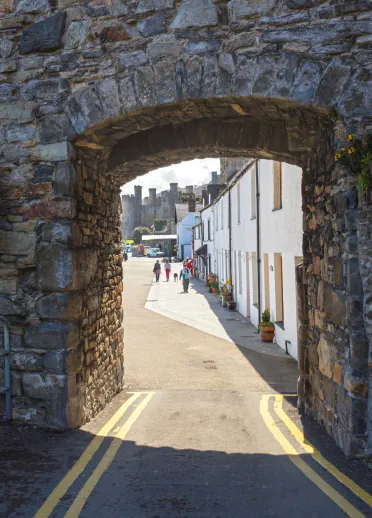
(157, 270)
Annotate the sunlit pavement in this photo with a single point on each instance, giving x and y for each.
(201, 430)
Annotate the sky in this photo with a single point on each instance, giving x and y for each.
(193, 172)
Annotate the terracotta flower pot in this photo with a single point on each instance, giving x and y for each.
(267, 333)
(215, 290)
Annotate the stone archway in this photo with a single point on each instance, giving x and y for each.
(96, 94)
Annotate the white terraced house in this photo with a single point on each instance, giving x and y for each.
(252, 235)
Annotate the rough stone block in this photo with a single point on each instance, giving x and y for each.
(57, 152)
(145, 6)
(326, 360)
(64, 233)
(61, 306)
(240, 9)
(51, 208)
(8, 307)
(306, 82)
(195, 13)
(55, 362)
(32, 6)
(359, 349)
(52, 335)
(334, 307)
(56, 269)
(45, 387)
(152, 26)
(19, 133)
(53, 129)
(76, 34)
(17, 243)
(354, 279)
(164, 46)
(132, 60)
(109, 95)
(56, 90)
(18, 111)
(6, 47)
(337, 374)
(25, 361)
(43, 36)
(16, 382)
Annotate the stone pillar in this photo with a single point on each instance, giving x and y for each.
(335, 363)
(189, 189)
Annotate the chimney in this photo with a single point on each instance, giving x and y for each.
(189, 189)
(214, 178)
(205, 197)
(192, 203)
(213, 190)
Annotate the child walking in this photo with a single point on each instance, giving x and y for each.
(167, 268)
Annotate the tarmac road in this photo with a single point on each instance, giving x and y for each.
(201, 430)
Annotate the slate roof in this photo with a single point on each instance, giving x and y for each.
(182, 209)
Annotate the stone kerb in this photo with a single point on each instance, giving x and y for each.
(79, 80)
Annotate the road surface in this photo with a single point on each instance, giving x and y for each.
(204, 428)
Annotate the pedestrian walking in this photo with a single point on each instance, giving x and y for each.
(189, 266)
(167, 268)
(157, 270)
(185, 277)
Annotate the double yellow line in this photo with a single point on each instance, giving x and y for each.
(295, 457)
(55, 497)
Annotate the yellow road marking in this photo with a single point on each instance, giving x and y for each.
(106, 461)
(295, 457)
(317, 456)
(54, 498)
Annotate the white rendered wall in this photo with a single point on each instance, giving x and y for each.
(281, 233)
(208, 214)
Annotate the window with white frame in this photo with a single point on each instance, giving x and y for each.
(238, 201)
(253, 194)
(240, 280)
(254, 279)
(277, 184)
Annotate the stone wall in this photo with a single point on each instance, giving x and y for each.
(333, 386)
(91, 95)
(99, 376)
(62, 283)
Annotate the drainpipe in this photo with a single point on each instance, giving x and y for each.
(230, 242)
(258, 243)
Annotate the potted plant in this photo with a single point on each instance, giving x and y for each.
(212, 277)
(214, 286)
(225, 289)
(231, 304)
(209, 286)
(267, 328)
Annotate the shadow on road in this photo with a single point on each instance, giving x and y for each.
(280, 372)
(145, 481)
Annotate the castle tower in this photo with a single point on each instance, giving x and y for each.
(153, 202)
(137, 206)
(173, 199)
(128, 221)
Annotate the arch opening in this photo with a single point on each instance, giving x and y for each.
(78, 267)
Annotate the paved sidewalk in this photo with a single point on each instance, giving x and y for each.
(202, 310)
